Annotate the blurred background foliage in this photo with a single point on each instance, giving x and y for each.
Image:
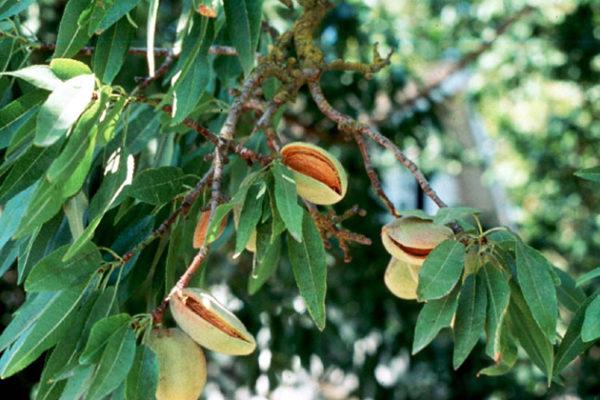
(530, 104)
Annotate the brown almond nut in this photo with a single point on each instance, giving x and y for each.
(181, 363)
(402, 279)
(320, 178)
(202, 227)
(209, 323)
(411, 239)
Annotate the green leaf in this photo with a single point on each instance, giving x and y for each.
(286, 200)
(118, 175)
(533, 275)
(434, 316)
(569, 295)
(416, 213)
(266, 258)
(254, 8)
(117, 359)
(157, 186)
(506, 356)
(498, 292)
(12, 214)
(101, 334)
(43, 334)
(46, 202)
(71, 36)
(78, 144)
(591, 324)
(590, 174)
(571, 345)
(62, 109)
(117, 10)
(250, 215)
(51, 273)
(446, 215)
(588, 277)
(441, 270)
(238, 27)
(64, 352)
(28, 169)
(26, 316)
(78, 383)
(14, 115)
(40, 76)
(470, 317)
(11, 8)
(308, 259)
(150, 33)
(67, 68)
(111, 50)
(143, 376)
(527, 331)
(196, 69)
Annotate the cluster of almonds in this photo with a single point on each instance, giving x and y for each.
(409, 240)
(202, 321)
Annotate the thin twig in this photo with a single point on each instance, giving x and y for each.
(138, 51)
(348, 124)
(373, 175)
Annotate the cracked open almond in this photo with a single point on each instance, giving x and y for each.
(411, 239)
(181, 364)
(320, 178)
(402, 279)
(209, 323)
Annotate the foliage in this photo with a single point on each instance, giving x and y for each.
(103, 178)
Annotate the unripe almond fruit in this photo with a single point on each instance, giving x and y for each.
(202, 227)
(209, 323)
(181, 363)
(402, 279)
(320, 178)
(411, 239)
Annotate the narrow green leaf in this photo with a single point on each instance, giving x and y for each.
(71, 36)
(238, 26)
(40, 76)
(266, 258)
(470, 317)
(569, 295)
(150, 33)
(588, 277)
(286, 200)
(62, 108)
(111, 50)
(51, 273)
(434, 316)
(591, 325)
(533, 275)
(498, 293)
(117, 10)
(101, 334)
(441, 270)
(254, 8)
(143, 376)
(27, 315)
(83, 134)
(67, 68)
(195, 73)
(590, 174)
(308, 259)
(78, 383)
(12, 214)
(506, 356)
(18, 111)
(42, 335)
(13, 7)
(157, 185)
(46, 202)
(117, 359)
(28, 169)
(527, 331)
(446, 215)
(250, 215)
(571, 345)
